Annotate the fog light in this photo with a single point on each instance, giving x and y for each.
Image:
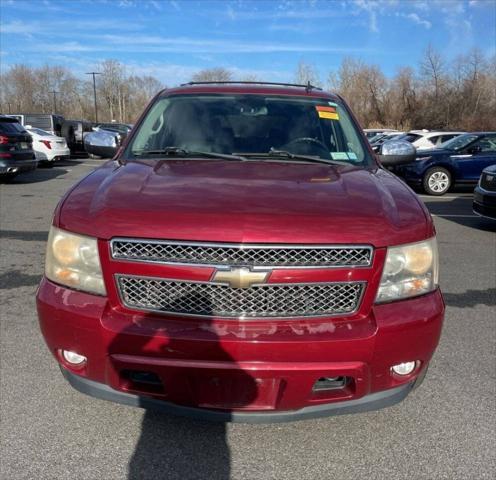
(73, 357)
(404, 368)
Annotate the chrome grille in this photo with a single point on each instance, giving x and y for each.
(282, 256)
(259, 301)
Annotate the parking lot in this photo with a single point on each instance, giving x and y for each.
(444, 430)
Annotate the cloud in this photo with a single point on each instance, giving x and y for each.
(231, 13)
(19, 27)
(157, 44)
(62, 28)
(370, 7)
(156, 5)
(422, 6)
(126, 4)
(419, 21)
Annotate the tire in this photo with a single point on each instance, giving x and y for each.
(93, 156)
(437, 181)
(71, 140)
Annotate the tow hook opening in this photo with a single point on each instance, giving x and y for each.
(330, 383)
(141, 381)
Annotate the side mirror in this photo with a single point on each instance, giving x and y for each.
(101, 143)
(28, 127)
(396, 152)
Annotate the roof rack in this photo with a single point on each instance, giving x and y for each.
(308, 87)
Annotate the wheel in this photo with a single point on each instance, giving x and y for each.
(437, 181)
(93, 156)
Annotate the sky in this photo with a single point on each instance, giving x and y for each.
(172, 39)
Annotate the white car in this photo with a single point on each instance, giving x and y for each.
(47, 147)
(427, 140)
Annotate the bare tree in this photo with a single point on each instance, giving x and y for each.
(217, 74)
(460, 94)
(307, 73)
(109, 85)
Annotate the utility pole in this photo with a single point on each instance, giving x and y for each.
(54, 93)
(94, 92)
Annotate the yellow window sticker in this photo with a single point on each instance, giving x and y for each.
(327, 112)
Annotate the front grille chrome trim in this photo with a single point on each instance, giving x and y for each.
(365, 252)
(361, 285)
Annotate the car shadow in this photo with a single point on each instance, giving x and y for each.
(30, 236)
(459, 210)
(170, 446)
(471, 298)
(178, 448)
(36, 176)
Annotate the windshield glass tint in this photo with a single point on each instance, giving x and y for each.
(40, 132)
(458, 143)
(250, 124)
(11, 127)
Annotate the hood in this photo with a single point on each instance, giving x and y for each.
(490, 169)
(242, 202)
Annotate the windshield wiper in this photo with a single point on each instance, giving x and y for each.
(273, 153)
(184, 152)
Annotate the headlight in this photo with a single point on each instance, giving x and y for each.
(72, 260)
(409, 270)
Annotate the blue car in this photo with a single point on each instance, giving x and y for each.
(485, 194)
(458, 161)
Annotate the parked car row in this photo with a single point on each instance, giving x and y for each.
(73, 131)
(420, 139)
(443, 159)
(458, 161)
(24, 146)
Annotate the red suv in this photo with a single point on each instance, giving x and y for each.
(244, 257)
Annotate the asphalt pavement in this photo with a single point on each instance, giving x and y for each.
(443, 430)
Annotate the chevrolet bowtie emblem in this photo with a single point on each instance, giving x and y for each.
(240, 277)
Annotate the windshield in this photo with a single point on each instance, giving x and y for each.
(237, 124)
(458, 143)
(116, 127)
(11, 126)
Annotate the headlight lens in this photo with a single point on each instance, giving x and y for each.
(72, 260)
(409, 270)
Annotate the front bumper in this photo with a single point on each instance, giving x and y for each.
(484, 203)
(372, 401)
(240, 371)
